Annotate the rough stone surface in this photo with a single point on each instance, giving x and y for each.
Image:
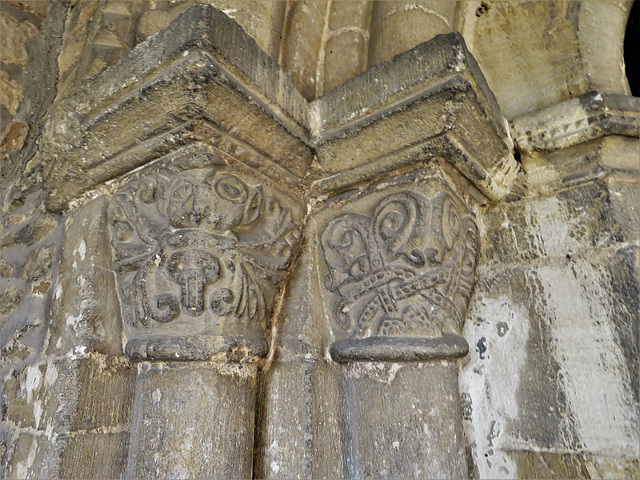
(198, 419)
(179, 277)
(98, 98)
(199, 92)
(544, 69)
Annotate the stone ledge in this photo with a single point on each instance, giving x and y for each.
(578, 120)
(237, 348)
(203, 69)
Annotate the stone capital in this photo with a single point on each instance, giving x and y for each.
(399, 268)
(203, 80)
(199, 255)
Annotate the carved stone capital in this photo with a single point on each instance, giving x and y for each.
(400, 268)
(198, 257)
(191, 284)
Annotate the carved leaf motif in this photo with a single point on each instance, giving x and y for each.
(192, 243)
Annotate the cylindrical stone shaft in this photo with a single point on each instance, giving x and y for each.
(193, 420)
(397, 26)
(403, 420)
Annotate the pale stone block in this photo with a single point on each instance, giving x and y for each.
(554, 360)
(300, 52)
(10, 93)
(14, 39)
(583, 54)
(26, 458)
(560, 225)
(343, 58)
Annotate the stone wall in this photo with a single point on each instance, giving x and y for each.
(549, 388)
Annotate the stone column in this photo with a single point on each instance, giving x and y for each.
(397, 26)
(198, 256)
(399, 267)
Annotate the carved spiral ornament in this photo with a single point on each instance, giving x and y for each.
(406, 270)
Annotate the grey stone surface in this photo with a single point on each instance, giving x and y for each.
(403, 421)
(193, 421)
(85, 314)
(549, 387)
(302, 437)
(554, 321)
(65, 408)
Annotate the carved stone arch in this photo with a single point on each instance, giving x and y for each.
(601, 33)
(557, 50)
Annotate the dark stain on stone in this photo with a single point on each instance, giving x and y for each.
(467, 406)
(624, 305)
(494, 432)
(502, 328)
(24, 235)
(482, 9)
(481, 348)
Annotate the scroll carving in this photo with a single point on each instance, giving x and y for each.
(404, 269)
(200, 252)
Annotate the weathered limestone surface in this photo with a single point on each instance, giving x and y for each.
(193, 421)
(583, 53)
(98, 34)
(555, 317)
(380, 259)
(199, 256)
(440, 103)
(85, 307)
(203, 85)
(397, 26)
(202, 235)
(231, 278)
